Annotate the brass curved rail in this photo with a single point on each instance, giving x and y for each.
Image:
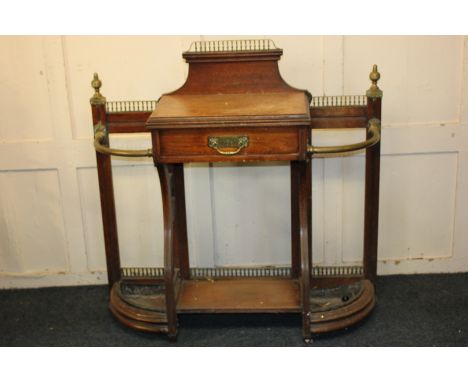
(100, 136)
(374, 132)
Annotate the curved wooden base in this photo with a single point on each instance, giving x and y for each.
(134, 311)
(358, 305)
(143, 307)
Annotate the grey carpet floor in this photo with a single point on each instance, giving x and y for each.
(416, 310)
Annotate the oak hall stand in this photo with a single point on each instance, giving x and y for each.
(235, 107)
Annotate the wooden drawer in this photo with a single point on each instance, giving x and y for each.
(229, 144)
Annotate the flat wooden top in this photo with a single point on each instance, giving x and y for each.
(218, 105)
(253, 107)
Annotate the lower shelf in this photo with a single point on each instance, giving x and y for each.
(334, 307)
(239, 296)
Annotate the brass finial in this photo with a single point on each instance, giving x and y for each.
(374, 91)
(97, 98)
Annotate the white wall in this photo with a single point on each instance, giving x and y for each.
(50, 222)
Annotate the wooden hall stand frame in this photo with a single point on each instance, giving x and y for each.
(235, 107)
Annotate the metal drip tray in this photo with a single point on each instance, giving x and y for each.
(324, 299)
(150, 297)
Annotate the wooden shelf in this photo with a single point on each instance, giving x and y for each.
(239, 296)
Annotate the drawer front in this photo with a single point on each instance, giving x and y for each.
(231, 144)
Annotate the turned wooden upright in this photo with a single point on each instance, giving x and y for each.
(235, 107)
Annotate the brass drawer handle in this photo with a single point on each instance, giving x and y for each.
(222, 143)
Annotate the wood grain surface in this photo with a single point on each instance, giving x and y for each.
(240, 295)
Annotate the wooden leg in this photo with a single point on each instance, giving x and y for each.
(166, 178)
(295, 233)
(109, 219)
(371, 212)
(309, 210)
(371, 197)
(180, 228)
(304, 243)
